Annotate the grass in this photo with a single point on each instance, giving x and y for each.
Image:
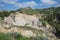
(18, 36)
(30, 28)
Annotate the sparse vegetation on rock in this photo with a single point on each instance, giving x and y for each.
(44, 23)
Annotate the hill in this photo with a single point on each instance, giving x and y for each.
(32, 24)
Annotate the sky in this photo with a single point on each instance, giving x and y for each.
(16, 4)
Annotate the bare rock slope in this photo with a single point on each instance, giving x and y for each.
(27, 25)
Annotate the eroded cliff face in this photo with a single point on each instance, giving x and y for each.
(20, 19)
(27, 25)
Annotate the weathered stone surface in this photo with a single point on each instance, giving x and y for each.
(20, 19)
(11, 24)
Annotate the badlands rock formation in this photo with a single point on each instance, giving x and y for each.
(20, 19)
(27, 25)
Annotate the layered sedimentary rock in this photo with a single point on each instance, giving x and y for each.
(20, 19)
(27, 25)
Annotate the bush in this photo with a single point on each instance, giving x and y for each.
(4, 14)
(5, 37)
(39, 38)
(17, 36)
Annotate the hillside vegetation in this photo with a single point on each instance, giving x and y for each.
(48, 15)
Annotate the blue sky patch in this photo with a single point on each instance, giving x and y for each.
(16, 4)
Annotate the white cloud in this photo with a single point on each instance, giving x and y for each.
(48, 1)
(57, 5)
(9, 1)
(1, 5)
(26, 4)
(18, 4)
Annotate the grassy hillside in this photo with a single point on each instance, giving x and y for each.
(50, 15)
(28, 11)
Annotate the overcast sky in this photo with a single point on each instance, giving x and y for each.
(16, 4)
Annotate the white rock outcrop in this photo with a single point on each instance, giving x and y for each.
(20, 19)
(14, 22)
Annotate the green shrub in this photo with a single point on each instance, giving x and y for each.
(5, 37)
(17, 36)
(39, 38)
